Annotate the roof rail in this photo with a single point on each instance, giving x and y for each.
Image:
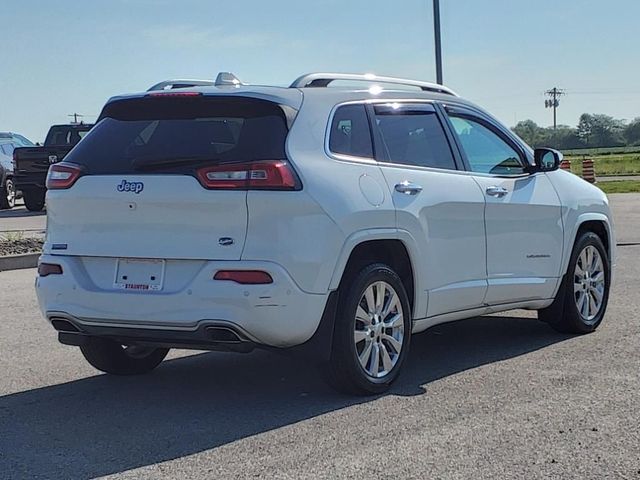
(171, 84)
(324, 79)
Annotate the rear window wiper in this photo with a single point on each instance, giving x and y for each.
(159, 163)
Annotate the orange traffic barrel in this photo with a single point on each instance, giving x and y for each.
(588, 170)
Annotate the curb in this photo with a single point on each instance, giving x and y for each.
(16, 262)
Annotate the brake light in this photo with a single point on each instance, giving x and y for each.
(263, 175)
(244, 277)
(169, 93)
(46, 269)
(62, 176)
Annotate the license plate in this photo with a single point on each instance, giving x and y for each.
(139, 275)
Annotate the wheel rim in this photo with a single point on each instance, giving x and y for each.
(11, 193)
(379, 329)
(589, 283)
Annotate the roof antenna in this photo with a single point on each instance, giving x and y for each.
(227, 79)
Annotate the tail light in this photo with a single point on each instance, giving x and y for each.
(46, 269)
(244, 277)
(62, 176)
(261, 175)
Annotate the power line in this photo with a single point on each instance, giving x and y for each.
(553, 101)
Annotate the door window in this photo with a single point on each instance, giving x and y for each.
(413, 135)
(486, 151)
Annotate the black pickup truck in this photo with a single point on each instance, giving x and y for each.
(30, 164)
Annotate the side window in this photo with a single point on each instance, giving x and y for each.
(8, 148)
(486, 151)
(350, 133)
(413, 135)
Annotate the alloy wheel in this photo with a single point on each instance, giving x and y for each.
(379, 329)
(589, 283)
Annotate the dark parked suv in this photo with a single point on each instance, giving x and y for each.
(8, 143)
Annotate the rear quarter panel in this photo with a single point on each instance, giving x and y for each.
(350, 200)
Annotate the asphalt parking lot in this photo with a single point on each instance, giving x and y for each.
(21, 219)
(492, 397)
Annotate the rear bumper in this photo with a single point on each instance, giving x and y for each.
(278, 315)
(206, 335)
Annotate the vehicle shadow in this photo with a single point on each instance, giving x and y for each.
(19, 212)
(103, 425)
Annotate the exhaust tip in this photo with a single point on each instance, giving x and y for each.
(63, 325)
(223, 335)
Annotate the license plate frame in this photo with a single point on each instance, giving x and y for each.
(139, 274)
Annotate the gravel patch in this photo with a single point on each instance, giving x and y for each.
(20, 246)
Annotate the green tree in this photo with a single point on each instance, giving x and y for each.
(598, 130)
(585, 128)
(529, 131)
(632, 132)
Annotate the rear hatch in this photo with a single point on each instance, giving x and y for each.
(165, 176)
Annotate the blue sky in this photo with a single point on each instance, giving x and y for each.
(68, 55)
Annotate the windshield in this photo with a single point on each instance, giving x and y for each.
(64, 135)
(177, 134)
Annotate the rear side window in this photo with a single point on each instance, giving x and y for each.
(413, 135)
(7, 148)
(181, 134)
(350, 133)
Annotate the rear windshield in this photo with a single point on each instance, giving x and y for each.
(65, 135)
(180, 134)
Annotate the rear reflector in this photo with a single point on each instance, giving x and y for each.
(46, 269)
(62, 176)
(259, 175)
(245, 277)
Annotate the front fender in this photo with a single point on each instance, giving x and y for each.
(591, 217)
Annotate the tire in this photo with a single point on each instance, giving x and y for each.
(567, 313)
(34, 199)
(7, 195)
(111, 357)
(390, 344)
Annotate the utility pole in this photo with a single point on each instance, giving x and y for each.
(75, 116)
(436, 32)
(553, 101)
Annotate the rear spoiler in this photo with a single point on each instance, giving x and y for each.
(223, 79)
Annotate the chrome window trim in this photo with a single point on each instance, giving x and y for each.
(371, 160)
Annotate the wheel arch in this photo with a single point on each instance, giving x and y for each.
(387, 246)
(597, 223)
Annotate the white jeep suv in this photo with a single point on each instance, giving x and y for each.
(334, 221)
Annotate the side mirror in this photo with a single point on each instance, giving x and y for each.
(547, 159)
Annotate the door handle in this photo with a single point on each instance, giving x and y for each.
(497, 191)
(408, 188)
